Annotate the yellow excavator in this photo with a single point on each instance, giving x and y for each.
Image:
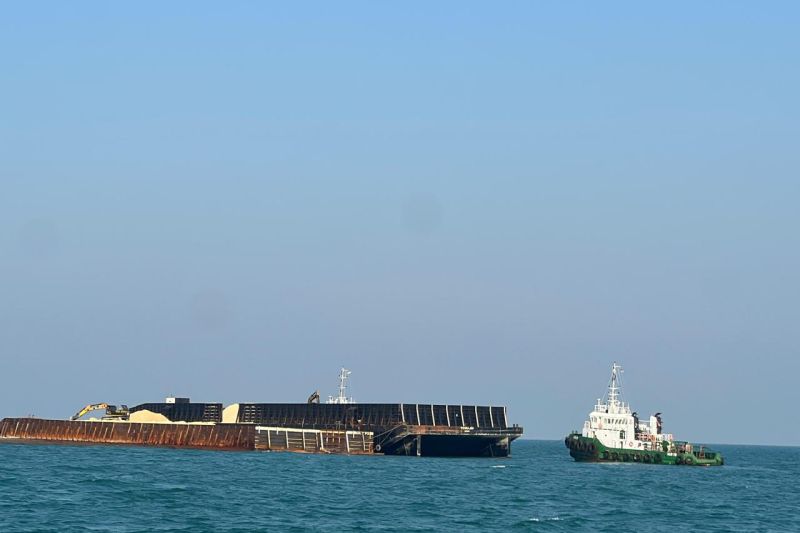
(112, 411)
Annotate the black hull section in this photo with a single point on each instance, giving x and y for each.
(428, 441)
(452, 446)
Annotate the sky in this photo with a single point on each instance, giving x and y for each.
(461, 202)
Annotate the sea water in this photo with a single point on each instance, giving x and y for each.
(539, 488)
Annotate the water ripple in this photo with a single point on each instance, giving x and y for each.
(126, 490)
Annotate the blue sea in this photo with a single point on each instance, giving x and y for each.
(126, 489)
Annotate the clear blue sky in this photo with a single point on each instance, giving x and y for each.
(461, 202)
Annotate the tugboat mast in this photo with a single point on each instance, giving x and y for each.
(342, 397)
(613, 386)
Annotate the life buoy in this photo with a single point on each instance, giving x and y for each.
(688, 461)
(377, 447)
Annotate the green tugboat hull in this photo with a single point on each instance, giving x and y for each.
(587, 449)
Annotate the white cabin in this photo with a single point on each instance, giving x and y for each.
(615, 426)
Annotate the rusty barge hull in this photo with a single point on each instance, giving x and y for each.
(207, 436)
(385, 429)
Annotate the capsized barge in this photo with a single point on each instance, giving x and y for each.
(613, 433)
(339, 426)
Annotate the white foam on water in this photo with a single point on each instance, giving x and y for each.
(550, 519)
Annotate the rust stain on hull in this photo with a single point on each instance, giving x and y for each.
(217, 436)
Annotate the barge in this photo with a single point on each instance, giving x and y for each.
(340, 425)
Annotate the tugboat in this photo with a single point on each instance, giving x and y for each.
(615, 434)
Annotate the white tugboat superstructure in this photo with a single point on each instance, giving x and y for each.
(615, 426)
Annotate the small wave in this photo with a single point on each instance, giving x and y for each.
(498, 466)
(171, 486)
(549, 519)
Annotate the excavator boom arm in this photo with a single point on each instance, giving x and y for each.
(89, 408)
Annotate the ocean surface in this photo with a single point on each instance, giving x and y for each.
(122, 489)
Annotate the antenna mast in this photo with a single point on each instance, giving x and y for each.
(614, 387)
(342, 397)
